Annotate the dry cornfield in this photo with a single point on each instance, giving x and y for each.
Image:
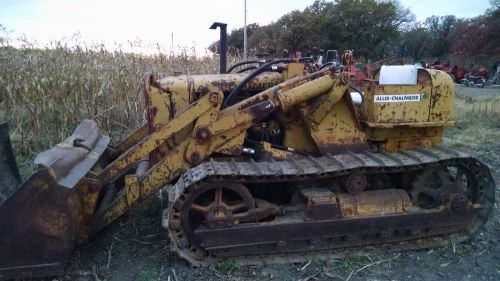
(45, 93)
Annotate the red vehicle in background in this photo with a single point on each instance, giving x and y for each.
(477, 77)
(356, 71)
(456, 73)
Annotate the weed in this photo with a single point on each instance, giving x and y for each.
(351, 263)
(195, 275)
(159, 259)
(146, 274)
(228, 266)
(316, 261)
(477, 123)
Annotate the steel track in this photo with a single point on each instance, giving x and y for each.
(452, 226)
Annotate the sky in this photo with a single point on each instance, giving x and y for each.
(150, 23)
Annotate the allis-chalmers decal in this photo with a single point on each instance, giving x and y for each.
(397, 98)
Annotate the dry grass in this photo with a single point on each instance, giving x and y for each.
(45, 93)
(477, 126)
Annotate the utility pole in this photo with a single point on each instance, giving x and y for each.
(172, 47)
(245, 31)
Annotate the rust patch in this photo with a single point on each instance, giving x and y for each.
(203, 90)
(260, 109)
(224, 85)
(203, 135)
(340, 148)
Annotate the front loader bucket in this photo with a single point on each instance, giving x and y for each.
(42, 219)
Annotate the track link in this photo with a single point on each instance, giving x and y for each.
(405, 237)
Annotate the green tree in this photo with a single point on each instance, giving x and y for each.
(439, 30)
(235, 39)
(265, 38)
(316, 15)
(295, 30)
(414, 43)
(367, 26)
(492, 33)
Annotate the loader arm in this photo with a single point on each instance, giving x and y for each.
(213, 131)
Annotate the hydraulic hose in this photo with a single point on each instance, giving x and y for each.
(240, 64)
(252, 67)
(325, 65)
(230, 98)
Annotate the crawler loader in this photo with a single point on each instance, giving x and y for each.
(281, 161)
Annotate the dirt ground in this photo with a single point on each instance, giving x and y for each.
(136, 247)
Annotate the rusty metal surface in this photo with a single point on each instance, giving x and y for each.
(208, 204)
(398, 112)
(406, 224)
(38, 209)
(394, 124)
(191, 87)
(436, 101)
(304, 92)
(443, 97)
(374, 202)
(299, 236)
(41, 222)
(158, 102)
(271, 93)
(162, 134)
(436, 186)
(128, 142)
